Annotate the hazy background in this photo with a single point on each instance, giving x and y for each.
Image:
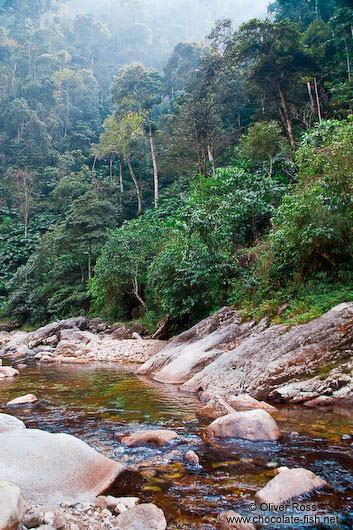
(161, 24)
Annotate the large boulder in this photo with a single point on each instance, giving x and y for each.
(142, 517)
(123, 332)
(158, 437)
(270, 364)
(196, 348)
(37, 337)
(214, 409)
(289, 484)
(12, 506)
(255, 425)
(232, 521)
(10, 423)
(54, 468)
(97, 325)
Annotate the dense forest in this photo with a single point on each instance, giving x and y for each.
(145, 170)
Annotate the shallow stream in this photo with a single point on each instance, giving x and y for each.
(95, 402)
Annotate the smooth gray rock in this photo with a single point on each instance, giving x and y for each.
(270, 364)
(10, 423)
(196, 348)
(54, 468)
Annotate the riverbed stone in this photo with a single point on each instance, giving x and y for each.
(8, 372)
(33, 517)
(255, 425)
(12, 506)
(54, 468)
(10, 423)
(23, 400)
(289, 484)
(225, 522)
(158, 437)
(192, 458)
(143, 516)
(214, 409)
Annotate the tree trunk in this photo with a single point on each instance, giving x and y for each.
(317, 101)
(136, 292)
(138, 192)
(211, 159)
(286, 114)
(121, 177)
(312, 104)
(348, 59)
(154, 162)
(89, 267)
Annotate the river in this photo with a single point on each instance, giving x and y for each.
(95, 402)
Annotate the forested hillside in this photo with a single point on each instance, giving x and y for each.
(142, 175)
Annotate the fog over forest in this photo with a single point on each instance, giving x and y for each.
(161, 24)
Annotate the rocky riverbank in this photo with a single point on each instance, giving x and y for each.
(56, 481)
(310, 363)
(222, 355)
(78, 340)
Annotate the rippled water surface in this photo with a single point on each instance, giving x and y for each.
(98, 401)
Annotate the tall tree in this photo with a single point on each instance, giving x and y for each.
(274, 58)
(144, 89)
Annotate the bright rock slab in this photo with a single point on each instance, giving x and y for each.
(54, 468)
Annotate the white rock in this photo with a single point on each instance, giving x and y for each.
(12, 506)
(10, 423)
(54, 468)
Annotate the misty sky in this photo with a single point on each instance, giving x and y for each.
(200, 14)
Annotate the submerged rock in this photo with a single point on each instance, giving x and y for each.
(10, 423)
(192, 458)
(227, 521)
(142, 517)
(255, 425)
(53, 468)
(289, 484)
(23, 400)
(12, 506)
(157, 437)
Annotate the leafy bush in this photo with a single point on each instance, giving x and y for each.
(180, 259)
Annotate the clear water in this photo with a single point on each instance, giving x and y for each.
(95, 402)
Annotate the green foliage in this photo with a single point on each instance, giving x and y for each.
(180, 258)
(308, 253)
(86, 132)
